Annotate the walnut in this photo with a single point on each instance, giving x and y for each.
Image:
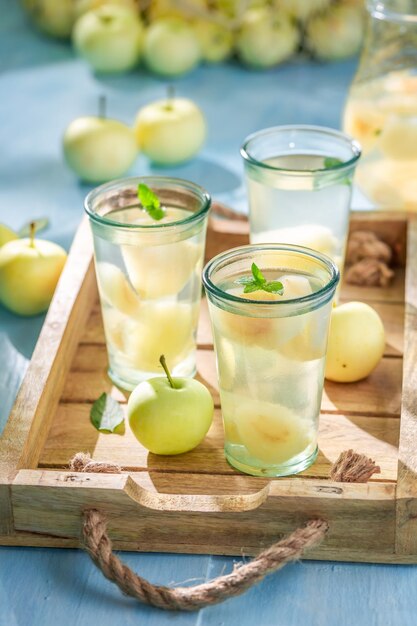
(370, 272)
(364, 244)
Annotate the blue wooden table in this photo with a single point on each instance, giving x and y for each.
(42, 88)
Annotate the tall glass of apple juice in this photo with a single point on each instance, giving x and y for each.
(149, 274)
(299, 181)
(270, 351)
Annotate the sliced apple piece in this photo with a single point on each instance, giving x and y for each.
(159, 271)
(272, 433)
(166, 327)
(115, 289)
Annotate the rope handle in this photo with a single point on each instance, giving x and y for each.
(349, 467)
(99, 547)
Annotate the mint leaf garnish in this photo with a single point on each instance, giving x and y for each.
(258, 282)
(332, 162)
(106, 414)
(150, 202)
(40, 224)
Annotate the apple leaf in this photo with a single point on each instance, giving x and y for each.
(150, 202)
(106, 414)
(40, 224)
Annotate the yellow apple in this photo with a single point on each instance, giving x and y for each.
(356, 342)
(109, 38)
(266, 38)
(29, 272)
(170, 415)
(216, 41)
(170, 131)
(99, 149)
(171, 47)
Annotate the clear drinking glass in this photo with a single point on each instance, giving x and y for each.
(299, 181)
(381, 108)
(270, 353)
(149, 275)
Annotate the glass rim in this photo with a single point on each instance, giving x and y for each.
(135, 180)
(308, 128)
(275, 247)
(378, 10)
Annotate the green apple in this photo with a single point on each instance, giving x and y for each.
(109, 38)
(266, 38)
(29, 272)
(82, 6)
(336, 33)
(170, 131)
(99, 149)
(6, 234)
(356, 342)
(157, 9)
(53, 17)
(171, 47)
(170, 415)
(216, 41)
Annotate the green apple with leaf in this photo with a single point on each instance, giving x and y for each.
(170, 415)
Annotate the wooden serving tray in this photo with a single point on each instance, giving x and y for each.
(196, 502)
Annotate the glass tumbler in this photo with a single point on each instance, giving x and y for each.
(270, 353)
(149, 275)
(299, 181)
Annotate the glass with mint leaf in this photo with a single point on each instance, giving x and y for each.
(149, 237)
(270, 309)
(299, 180)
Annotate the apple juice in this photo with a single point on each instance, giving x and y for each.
(299, 181)
(149, 281)
(382, 114)
(270, 351)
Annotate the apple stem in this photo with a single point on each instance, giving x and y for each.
(102, 106)
(167, 372)
(170, 97)
(32, 230)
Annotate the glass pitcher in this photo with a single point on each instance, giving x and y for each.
(381, 109)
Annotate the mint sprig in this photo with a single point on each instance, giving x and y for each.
(258, 282)
(150, 202)
(332, 162)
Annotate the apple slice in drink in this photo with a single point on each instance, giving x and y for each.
(162, 324)
(159, 271)
(268, 332)
(115, 289)
(271, 433)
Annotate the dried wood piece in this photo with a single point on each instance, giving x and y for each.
(364, 244)
(352, 467)
(369, 272)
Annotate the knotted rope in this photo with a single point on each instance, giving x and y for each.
(349, 467)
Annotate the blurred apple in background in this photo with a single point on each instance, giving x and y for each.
(171, 8)
(170, 131)
(82, 6)
(98, 149)
(301, 9)
(53, 17)
(336, 33)
(266, 38)
(216, 41)
(109, 38)
(171, 47)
